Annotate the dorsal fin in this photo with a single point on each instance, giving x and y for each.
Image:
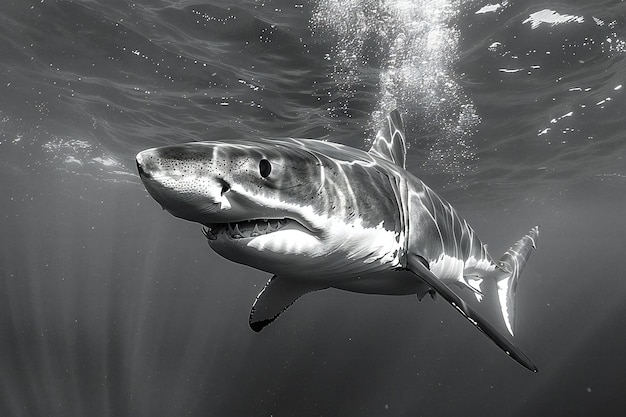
(389, 142)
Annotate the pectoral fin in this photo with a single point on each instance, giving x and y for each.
(277, 295)
(418, 268)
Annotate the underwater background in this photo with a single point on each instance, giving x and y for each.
(111, 307)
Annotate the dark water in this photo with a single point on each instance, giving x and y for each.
(111, 307)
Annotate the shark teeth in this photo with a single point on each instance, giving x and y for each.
(244, 229)
(208, 233)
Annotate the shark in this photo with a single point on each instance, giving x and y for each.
(317, 214)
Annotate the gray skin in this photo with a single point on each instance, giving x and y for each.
(318, 215)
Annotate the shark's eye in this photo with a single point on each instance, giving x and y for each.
(265, 168)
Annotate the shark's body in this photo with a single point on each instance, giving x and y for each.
(319, 215)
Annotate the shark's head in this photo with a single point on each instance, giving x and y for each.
(216, 183)
(274, 205)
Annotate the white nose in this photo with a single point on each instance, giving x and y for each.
(143, 161)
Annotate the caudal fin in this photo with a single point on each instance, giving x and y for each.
(511, 265)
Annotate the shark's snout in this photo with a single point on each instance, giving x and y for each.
(155, 178)
(142, 159)
(142, 173)
(184, 182)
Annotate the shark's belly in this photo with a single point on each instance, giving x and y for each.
(388, 282)
(345, 252)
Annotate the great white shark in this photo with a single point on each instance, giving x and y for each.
(320, 215)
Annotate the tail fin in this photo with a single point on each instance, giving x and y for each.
(511, 265)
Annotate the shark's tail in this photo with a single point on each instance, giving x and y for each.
(510, 269)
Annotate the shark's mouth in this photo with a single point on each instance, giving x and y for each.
(247, 228)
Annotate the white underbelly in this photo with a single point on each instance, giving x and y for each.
(389, 282)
